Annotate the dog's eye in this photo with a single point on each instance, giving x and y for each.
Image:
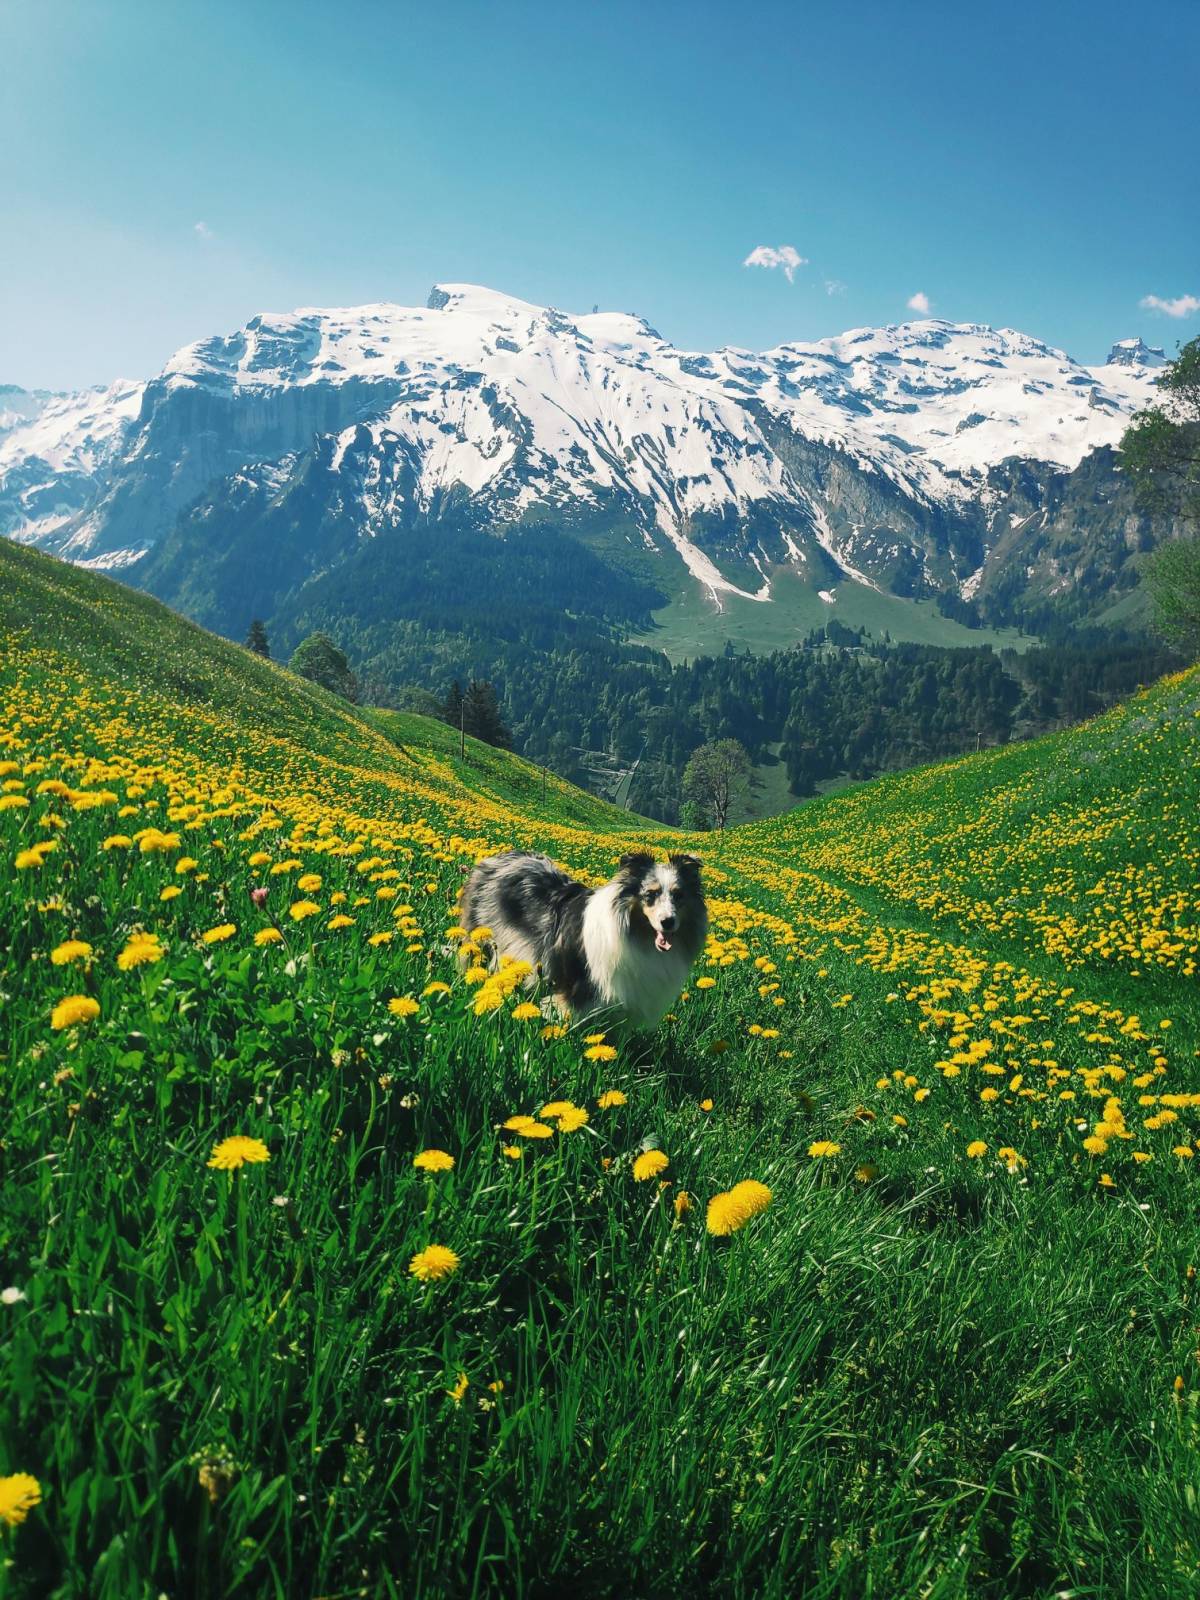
(650, 896)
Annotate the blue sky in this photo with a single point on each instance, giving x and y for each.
(169, 168)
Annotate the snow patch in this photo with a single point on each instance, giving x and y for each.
(824, 534)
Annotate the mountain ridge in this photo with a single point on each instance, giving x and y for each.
(869, 457)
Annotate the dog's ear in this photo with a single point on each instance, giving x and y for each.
(636, 861)
(686, 863)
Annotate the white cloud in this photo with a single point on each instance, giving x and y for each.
(1186, 305)
(834, 286)
(784, 255)
(203, 229)
(919, 302)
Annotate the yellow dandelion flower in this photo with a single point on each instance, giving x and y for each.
(310, 882)
(976, 1148)
(19, 1493)
(867, 1173)
(117, 841)
(476, 974)
(142, 950)
(300, 909)
(554, 1030)
(555, 1108)
(1095, 1145)
(610, 1098)
(152, 841)
(706, 983)
(377, 939)
(33, 857)
(572, 1119)
(512, 1151)
(460, 1388)
(69, 951)
(601, 1052)
(75, 1009)
(1183, 1151)
(706, 1105)
(237, 1151)
(436, 987)
(823, 1148)
(433, 1161)
(730, 1211)
(526, 1011)
(434, 1262)
(649, 1164)
(534, 1130)
(171, 892)
(404, 1006)
(518, 1123)
(268, 936)
(340, 921)
(594, 1038)
(683, 1203)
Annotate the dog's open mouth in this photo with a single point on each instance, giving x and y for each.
(661, 942)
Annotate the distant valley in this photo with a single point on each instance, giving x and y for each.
(485, 487)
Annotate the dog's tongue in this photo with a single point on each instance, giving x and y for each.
(661, 942)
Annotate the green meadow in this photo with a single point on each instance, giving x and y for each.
(334, 1267)
(692, 625)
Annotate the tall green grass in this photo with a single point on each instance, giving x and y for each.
(918, 1373)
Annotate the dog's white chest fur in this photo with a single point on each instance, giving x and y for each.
(644, 982)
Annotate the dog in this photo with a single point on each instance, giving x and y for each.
(627, 947)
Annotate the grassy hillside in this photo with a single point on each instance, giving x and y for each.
(949, 1020)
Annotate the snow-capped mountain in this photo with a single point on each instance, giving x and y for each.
(871, 456)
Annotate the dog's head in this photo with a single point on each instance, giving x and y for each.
(667, 893)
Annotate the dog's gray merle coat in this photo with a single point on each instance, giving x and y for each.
(627, 946)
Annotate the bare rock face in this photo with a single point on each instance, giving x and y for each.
(1133, 353)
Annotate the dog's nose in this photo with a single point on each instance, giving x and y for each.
(668, 924)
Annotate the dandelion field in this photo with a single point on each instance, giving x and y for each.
(331, 1266)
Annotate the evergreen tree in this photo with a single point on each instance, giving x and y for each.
(452, 710)
(481, 714)
(319, 660)
(256, 639)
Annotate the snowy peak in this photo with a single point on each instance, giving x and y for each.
(1133, 353)
(474, 300)
(480, 403)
